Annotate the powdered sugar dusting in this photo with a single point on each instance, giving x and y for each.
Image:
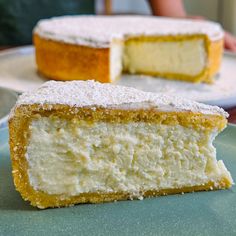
(95, 94)
(98, 31)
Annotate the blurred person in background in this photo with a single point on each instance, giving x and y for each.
(18, 17)
(175, 8)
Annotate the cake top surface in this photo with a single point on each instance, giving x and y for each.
(95, 94)
(98, 31)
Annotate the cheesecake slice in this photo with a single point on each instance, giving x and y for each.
(83, 141)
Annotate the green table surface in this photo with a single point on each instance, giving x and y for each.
(202, 213)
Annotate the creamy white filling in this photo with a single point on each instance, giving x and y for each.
(186, 57)
(72, 157)
(116, 52)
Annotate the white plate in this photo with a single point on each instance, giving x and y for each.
(18, 72)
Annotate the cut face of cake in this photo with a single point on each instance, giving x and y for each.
(82, 141)
(102, 47)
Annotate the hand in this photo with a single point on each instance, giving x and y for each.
(230, 42)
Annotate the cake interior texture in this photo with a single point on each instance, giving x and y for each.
(181, 58)
(72, 157)
(84, 141)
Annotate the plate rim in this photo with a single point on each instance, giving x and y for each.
(226, 103)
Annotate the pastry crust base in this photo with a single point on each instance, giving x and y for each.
(63, 61)
(20, 135)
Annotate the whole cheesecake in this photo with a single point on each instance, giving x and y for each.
(102, 47)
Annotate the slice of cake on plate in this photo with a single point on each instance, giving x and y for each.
(101, 47)
(83, 141)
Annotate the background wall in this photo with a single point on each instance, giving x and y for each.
(126, 6)
(208, 9)
(223, 11)
(133, 6)
(228, 15)
(217, 10)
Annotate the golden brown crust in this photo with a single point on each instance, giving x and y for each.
(63, 61)
(215, 57)
(190, 119)
(43, 200)
(19, 136)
